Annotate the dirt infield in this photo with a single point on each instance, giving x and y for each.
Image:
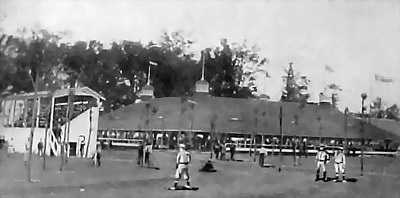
(120, 176)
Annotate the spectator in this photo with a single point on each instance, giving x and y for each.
(216, 150)
(232, 150)
(223, 151)
(147, 152)
(10, 148)
(40, 147)
(263, 153)
(82, 146)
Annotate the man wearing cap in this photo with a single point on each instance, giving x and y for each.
(321, 159)
(340, 163)
(182, 166)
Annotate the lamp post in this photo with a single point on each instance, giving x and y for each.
(363, 97)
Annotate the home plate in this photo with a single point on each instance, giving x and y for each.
(184, 188)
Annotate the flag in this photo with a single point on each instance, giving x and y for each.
(153, 63)
(329, 69)
(383, 79)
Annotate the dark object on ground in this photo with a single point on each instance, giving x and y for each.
(208, 167)
(184, 188)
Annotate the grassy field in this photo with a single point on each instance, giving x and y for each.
(120, 176)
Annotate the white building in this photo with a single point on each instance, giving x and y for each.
(17, 120)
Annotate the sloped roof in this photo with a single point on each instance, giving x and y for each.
(236, 115)
(389, 125)
(59, 93)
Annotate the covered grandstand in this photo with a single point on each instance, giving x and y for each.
(234, 117)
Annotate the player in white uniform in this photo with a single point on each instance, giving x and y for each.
(10, 148)
(340, 163)
(182, 166)
(321, 159)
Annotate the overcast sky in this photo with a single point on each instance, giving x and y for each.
(356, 38)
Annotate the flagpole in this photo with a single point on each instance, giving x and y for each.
(148, 77)
(202, 68)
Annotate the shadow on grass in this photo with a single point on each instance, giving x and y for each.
(76, 188)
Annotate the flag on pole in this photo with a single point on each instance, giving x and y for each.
(329, 69)
(383, 79)
(153, 63)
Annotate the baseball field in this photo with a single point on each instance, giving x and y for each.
(120, 176)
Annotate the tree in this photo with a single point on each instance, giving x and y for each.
(296, 88)
(33, 60)
(231, 70)
(376, 107)
(392, 112)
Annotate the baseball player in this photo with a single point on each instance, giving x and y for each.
(10, 148)
(321, 159)
(340, 163)
(182, 166)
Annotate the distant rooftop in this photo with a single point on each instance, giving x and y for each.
(237, 115)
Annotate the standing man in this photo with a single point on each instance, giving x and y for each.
(97, 156)
(147, 151)
(40, 147)
(340, 164)
(263, 153)
(223, 151)
(10, 147)
(321, 159)
(26, 153)
(216, 150)
(140, 154)
(232, 150)
(82, 146)
(305, 146)
(182, 166)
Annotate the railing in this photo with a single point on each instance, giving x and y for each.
(121, 142)
(54, 145)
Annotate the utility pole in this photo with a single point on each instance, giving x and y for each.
(363, 97)
(281, 141)
(346, 112)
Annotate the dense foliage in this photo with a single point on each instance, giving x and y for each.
(120, 71)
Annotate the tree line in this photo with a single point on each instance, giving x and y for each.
(119, 72)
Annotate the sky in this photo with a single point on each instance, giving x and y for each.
(357, 39)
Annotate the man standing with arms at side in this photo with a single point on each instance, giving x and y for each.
(40, 147)
(26, 153)
(321, 159)
(10, 147)
(340, 164)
